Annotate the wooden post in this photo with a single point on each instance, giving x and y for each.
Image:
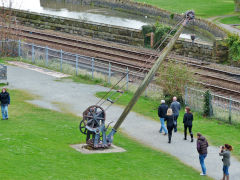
(152, 39)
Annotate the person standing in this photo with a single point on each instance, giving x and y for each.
(225, 152)
(175, 106)
(170, 123)
(187, 121)
(162, 111)
(202, 146)
(5, 101)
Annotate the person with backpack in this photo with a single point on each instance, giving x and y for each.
(202, 145)
(226, 153)
(162, 111)
(5, 101)
(187, 121)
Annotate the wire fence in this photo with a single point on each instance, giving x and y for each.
(223, 108)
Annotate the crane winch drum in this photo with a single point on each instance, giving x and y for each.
(94, 117)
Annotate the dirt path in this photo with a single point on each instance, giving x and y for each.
(75, 98)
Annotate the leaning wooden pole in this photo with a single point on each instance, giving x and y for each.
(149, 77)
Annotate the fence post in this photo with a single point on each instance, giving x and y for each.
(186, 96)
(61, 60)
(76, 65)
(92, 67)
(230, 110)
(109, 73)
(127, 79)
(46, 54)
(33, 54)
(19, 48)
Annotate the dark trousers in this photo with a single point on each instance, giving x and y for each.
(89, 133)
(175, 120)
(170, 129)
(190, 131)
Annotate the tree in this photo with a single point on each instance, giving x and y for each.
(237, 5)
(173, 78)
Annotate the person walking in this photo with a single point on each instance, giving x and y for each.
(170, 123)
(202, 146)
(187, 121)
(162, 111)
(175, 106)
(5, 101)
(225, 152)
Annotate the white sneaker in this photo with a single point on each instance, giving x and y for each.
(201, 174)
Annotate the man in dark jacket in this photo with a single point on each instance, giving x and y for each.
(202, 146)
(5, 101)
(162, 111)
(175, 106)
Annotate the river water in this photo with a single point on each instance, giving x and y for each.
(87, 13)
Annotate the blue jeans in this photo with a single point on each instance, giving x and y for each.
(225, 170)
(201, 159)
(4, 108)
(163, 127)
(175, 121)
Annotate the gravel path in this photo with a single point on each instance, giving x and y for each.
(75, 98)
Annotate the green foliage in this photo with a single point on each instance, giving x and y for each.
(173, 79)
(159, 31)
(207, 107)
(146, 29)
(233, 43)
(35, 144)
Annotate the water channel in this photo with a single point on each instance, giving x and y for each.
(89, 13)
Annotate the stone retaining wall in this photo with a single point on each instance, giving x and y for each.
(214, 53)
(201, 25)
(73, 26)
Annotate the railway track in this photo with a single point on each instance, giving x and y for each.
(124, 56)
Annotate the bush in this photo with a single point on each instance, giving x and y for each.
(233, 43)
(173, 79)
(159, 31)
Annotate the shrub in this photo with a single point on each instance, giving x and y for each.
(173, 79)
(207, 108)
(233, 43)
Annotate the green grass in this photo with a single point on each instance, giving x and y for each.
(203, 8)
(230, 20)
(35, 145)
(217, 132)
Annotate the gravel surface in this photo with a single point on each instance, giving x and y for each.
(75, 98)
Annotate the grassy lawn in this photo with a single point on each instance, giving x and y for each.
(230, 20)
(218, 133)
(203, 8)
(35, 145)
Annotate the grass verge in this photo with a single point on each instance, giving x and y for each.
(231, 20)
(217, 132)
(203, 8)
(35, 145)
